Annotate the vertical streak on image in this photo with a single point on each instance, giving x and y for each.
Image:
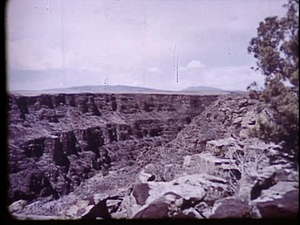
(174, 56)
(144, 42)
(62, 42)
(107, 64)
(50, 5)
(177, 69)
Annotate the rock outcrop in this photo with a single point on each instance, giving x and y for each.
(175, 199)
(67, 138)
(146, 156)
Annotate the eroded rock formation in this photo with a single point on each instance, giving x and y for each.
(146, 156)
(62, 136)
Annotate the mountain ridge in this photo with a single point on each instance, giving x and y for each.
(125, 89)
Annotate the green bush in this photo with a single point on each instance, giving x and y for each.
(276, 51)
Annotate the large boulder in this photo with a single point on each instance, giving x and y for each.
(156, 210)
(230, 208)
(286, 206)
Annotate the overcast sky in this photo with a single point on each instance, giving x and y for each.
(63, 43)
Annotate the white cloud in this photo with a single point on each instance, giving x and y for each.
(154, 70)
(195, 64)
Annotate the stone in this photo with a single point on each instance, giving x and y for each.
(286, 206)
(205, 162)
(182, 186)
(147, 172)
(230, 208)
(265, 117)
(237, 120)
(141, 193)
(277, 191)
(249, 120)
(243, 102)
(187, 161)
(156, 210)
(77, 209)
(244, 133)
(170, 205)
(220, 147)
(17, 206)
(102, 209)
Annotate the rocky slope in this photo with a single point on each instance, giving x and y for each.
(58, 141)
(208, 166)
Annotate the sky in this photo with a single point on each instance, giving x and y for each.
(65, 43)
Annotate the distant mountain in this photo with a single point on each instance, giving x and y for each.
(204, 90)
(193, 90)
(238, 91)
(94, 89)
(108, 88)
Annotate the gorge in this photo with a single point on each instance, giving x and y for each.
(70, 154)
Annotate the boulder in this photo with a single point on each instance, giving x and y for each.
(230, 208)
(220, 147)
(207, 163)
(286, 206)
(140, 193)
(148, 172)
(156, 210)
(170, 205)
(183, 186)
(17, 206)
(77, 209)
(280, 188)
(204, 162)
(244, 133)
(274, 178)
(103, 208)
(249, 120)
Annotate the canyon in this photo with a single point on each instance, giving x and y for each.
(55, 140)
(97, 155)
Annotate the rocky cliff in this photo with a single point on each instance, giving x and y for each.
(146, 156)
(58, 141)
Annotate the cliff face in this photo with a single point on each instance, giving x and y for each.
(58, 141)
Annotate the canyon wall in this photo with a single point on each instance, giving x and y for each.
(58, 141)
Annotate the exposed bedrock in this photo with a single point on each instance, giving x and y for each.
(67, 138)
